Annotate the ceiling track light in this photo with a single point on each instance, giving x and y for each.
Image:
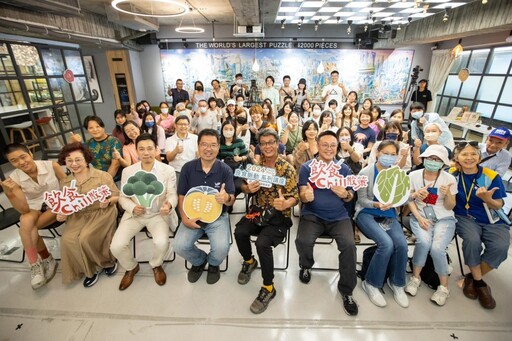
(399, 28)
(409, 21)
(338, 20)
(316, 25)
(282, 24)
(299, 24)
(349, 28)
(484, 2)
(425, 9)
(445, 16)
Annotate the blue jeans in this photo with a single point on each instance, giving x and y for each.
(495, 238)
(218, 234)
(435, 240)
(391, 254)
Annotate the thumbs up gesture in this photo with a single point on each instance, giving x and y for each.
(166, 208)
(445, 189)
(115, 154)
(280, 203)
(484, 194)
(222, 197)
(309, 194)
(422, 193)
(75, 137)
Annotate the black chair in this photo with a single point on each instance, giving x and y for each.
(285, 243)
(9, 217)
(148, 235)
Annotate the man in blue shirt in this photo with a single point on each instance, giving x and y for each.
(323, 212)
(178, 94)
(205, 171)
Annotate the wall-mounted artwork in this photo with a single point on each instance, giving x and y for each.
(378, 74)
(92, 79)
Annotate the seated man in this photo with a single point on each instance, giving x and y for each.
(280, 199)
(205, 171)
(155, 218)
(324, 213)
(495, 156)
(25, 190)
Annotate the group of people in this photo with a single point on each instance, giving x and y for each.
(454, 189)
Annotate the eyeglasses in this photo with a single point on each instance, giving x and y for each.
(182, 124)
(71, 161)
(463, 144)
(205, 145)
(268, 144)
(434, 158)
(327, 146)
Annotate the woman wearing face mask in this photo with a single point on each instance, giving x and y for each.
(393, 131)
(157, 132)
(379, 223)
(431, 133)
(268, 115)
(130, 131)
(420, 119)
(398, 116)
(120, 118)
(165, 119)
(232, 151)
(198, 95)
(140, 110)
(316, 111)
(181, 109)
(347, 117)
(242, 127)
(291, 136)
(433, 194)
(326, 122)
(349, 151)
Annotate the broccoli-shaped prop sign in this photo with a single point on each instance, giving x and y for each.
(144, 186)
(392, 186)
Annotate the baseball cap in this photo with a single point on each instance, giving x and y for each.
(500, 133)
(231, 102)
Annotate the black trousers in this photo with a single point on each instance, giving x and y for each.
(310, 228)
(268, 236)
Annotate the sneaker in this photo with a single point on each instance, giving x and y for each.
(261, 302)
(412, 286)
(245, 274)
(112, 270)
(213, 274)
(440, 296)
(305, 275)
(90, 281)
(349, 305)
(37, 278)
(374, 294)
(50, 268)
(195, 272)
(399, 295)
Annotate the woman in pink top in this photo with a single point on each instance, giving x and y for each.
(377, 123)
(165, 119)
(131, 131)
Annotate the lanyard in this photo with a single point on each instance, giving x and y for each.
(467, 194)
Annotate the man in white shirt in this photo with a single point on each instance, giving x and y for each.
(156, 218)
(494, 153)
(334, 90)
(182, 146)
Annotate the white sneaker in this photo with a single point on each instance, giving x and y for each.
(440, 296)
(399, 295)
(412, 286)
(374, 294)
(50, 268)
(37, 279)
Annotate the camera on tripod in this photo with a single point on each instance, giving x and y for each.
(415, 72)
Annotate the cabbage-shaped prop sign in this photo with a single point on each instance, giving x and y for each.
(392, 186)
(144, 186)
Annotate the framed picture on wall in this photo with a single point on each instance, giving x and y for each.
(92, 79)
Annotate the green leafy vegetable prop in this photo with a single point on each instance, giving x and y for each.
(144, 186)
(392, 186)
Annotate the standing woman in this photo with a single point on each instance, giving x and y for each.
(302, 92)
(433, 223)
(165, 119)
(219, 92)
(198, 95)
(479, 197)
(157, 132)
(379, 223)
(120, 118)
(101, 145)
(347, 118)
(308, 148)
(291, 136)
(85, 243)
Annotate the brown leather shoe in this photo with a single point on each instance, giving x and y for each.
(469, 289)
(160, 276)
(128, 278)
(485, 297)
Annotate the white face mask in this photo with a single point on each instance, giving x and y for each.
(239, 81)
(202, 109)
(431, 136)
(240, 104)
(164, 110)
(317, 112)
(183, 112)
(229, 133)
(417, 115)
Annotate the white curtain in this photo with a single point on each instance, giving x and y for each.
(442, 61)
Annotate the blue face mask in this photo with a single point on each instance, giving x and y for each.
(391, 136)
(149, 124)
(433, 166)
(387, 160)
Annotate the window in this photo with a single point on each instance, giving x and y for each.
(486, 91)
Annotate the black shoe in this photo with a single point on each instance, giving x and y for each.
(261, 302)
(349, 305)
(245, 274)
(195, 272)
(111, 271)
(90, 281)
(213, 274)
(305, 275)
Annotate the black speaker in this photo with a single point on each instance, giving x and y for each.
(148, 39)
